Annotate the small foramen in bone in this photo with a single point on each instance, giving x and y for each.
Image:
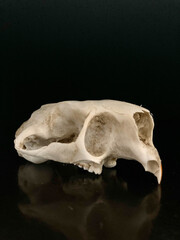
(90, 134)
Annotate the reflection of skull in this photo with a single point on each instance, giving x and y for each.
(85, 207)
(90, 134)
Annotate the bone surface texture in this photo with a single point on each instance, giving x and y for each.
(90, 134)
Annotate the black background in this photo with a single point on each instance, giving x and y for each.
(78, 50)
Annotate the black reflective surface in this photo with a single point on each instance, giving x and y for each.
(60, 50)
(81, 206)
(57, 201)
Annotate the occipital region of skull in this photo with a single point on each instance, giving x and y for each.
(90, 134)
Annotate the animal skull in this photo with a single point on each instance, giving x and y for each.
(90, 134)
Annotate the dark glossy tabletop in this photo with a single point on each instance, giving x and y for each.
(61, 50)
(58, 201)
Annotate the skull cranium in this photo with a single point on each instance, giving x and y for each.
(90, 134)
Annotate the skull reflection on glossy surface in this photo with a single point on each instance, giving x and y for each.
(84, 206)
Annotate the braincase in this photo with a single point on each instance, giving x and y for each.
(37, 118)
(60, 120)
(64, 119)
(53, 123)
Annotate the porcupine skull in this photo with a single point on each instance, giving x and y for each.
(90, 134)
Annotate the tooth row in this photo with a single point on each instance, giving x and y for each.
(89, 168)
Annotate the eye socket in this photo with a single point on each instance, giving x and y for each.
(98, 131)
